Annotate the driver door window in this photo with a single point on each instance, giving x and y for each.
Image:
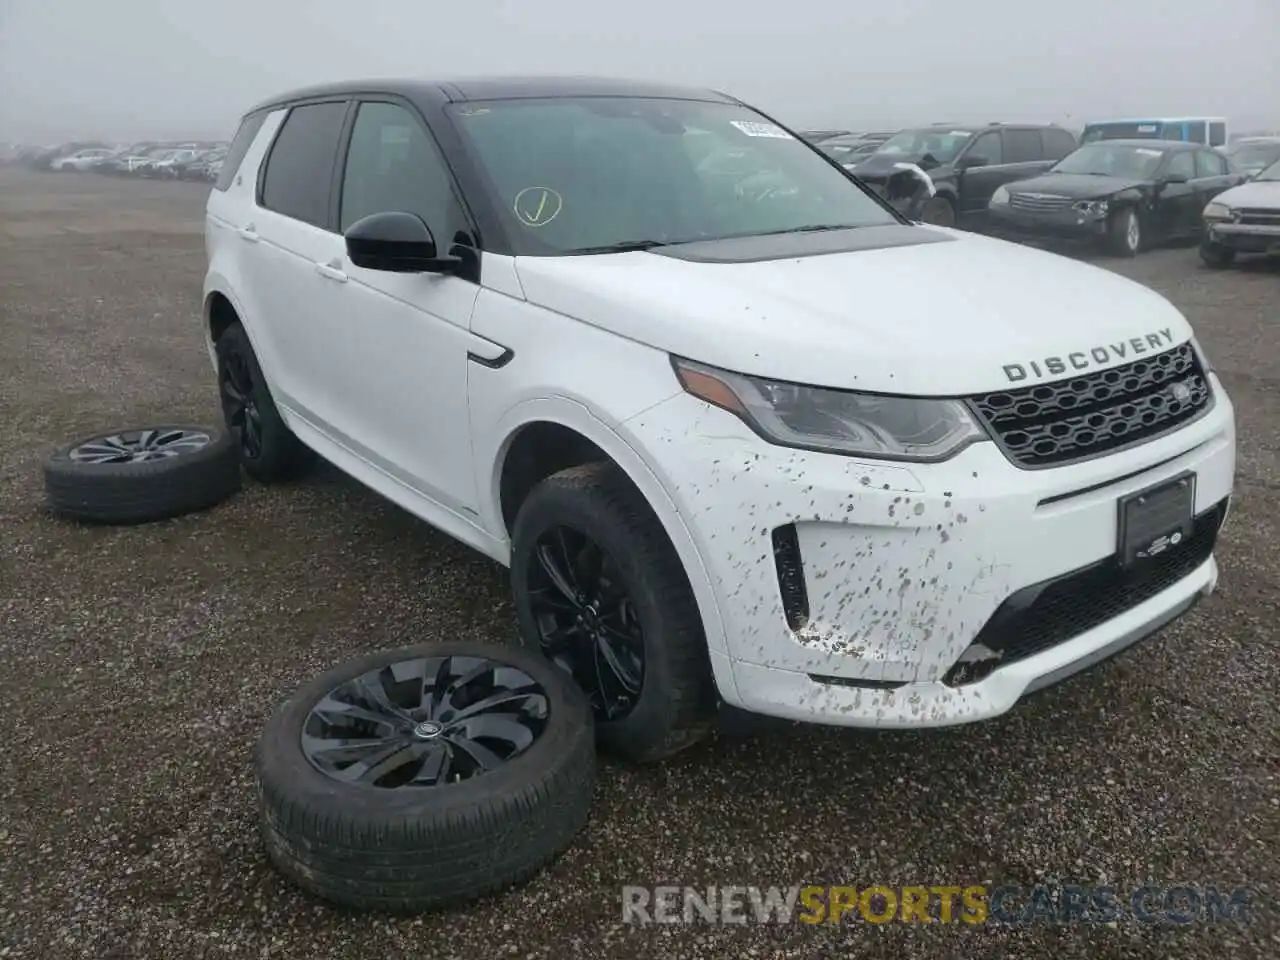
(988, 146)
(1184, 163)
(393, 165)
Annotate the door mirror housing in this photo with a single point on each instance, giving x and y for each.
(1174, 178)
(974, 160)
(396, 242)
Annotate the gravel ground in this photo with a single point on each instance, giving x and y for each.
(139, 665)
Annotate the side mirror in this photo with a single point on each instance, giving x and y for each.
(396, 242)
(1175, 178)
(974, 160)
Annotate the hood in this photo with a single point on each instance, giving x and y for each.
(935, 319)
(1077, 186)
(1258, 193)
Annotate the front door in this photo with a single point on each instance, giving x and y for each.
(398, 341)
(1176, 204)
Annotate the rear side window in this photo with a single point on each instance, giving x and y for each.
(1210, 164)
(299, 174)
(240, 144)
(1217, 134)
(1057, 143)
(1022, 146)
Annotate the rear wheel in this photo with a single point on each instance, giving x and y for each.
(268, 449)
(1215, 254)
(600, 590)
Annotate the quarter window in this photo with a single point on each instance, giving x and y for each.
(240, 144)
(394, 165)
(1057, 143)
(299, 177)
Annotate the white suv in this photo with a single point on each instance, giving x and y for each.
(781, 445)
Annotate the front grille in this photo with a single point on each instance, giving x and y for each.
(1047, 614)
(1058, 423)
(1260, 218)
(1038, 203)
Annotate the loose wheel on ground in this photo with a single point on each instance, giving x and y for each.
(143, 474)
(412, 779)
(600, 590)
(268, 449)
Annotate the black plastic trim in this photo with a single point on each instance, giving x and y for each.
(497, 363)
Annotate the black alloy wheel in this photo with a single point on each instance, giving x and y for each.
(140, 446)
(587, 623)
(239, 405)
(425, 722)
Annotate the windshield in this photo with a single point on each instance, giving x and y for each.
(579, 175)
(1112, 160)
(1271, 173)
(942, 145)
(1256, 156)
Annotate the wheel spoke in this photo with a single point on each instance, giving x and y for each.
(336, 711)
(503, 698)
(485, 758)
(561, 579)
(626, 675)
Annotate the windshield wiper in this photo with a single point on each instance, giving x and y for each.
(622, 246)
(808, 228)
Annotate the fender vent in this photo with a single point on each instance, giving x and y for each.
(786, 557)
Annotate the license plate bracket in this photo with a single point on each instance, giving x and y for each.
(1156, 520)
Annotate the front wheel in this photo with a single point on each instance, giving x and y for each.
(1124, 234)
(1215, 254)
(599, 589)
(939, 212)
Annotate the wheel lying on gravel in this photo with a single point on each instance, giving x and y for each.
(268, 449)
(136, 476)
(416, 778)
(599, 589)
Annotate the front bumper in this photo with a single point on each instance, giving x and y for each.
(1245, 237)
(1067, 224)
(905, 565)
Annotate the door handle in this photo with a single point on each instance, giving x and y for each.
(331, 272)
(248, 233)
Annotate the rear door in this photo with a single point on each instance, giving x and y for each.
(293, 233)
(1213, 175)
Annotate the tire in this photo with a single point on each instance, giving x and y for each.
(1124, 233)
(1215, 254)
(675, 705)
(938, 212)
(416, 848)
(268, 449)
(141, 475)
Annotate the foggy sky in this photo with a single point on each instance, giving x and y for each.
(121, 69)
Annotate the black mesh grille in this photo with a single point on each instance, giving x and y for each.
(1046, 614)
(1057, 423)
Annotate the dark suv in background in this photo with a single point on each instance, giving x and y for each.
(966, 164)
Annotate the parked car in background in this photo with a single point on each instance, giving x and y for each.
(166, 165)
(1124, 194)
(1252, 155)
(199, 167)
(966, 164)
(814, 136)
(1244, 219)
(79, 161)
(1211, 131)
(850, 149)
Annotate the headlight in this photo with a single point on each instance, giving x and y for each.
(1217, 211)
(836, 421)
(1093, 208)
(1203, 357)
(1000, 197)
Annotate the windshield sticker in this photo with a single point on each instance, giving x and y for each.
(537, 206)
(1147, 152)
(958, 133)
(753, 128)
(1146, 128)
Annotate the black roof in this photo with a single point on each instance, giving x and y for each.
(464, 89)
